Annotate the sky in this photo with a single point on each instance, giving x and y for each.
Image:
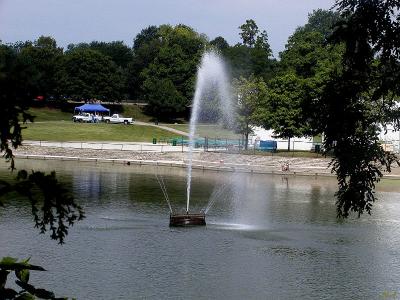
(76, 21)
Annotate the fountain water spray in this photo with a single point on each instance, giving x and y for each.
(164, 190)
(210, 74)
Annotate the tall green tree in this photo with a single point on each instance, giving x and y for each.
(248, 33)
(165, 100)
(251, 94)
(305, 68)
(307, 51)
(253, 56)
(88, 74)
(41, 59)
(322, 21)
(281, 108)
(145, 36)
(168, 57)
(220, 43)
(119, 53)
(145, 49)
(360, 96)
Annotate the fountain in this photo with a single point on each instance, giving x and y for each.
(210, 74)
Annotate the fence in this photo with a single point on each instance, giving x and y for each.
(238, 145)
(170, 145)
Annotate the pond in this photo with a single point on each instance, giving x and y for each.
(267, 237)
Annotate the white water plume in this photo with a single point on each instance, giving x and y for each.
(217, 194)
(210, 74)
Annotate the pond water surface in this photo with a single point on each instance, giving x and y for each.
(267, 237)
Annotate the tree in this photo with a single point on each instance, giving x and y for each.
(41, 59)
(322, 21)
(145, 36)
(220, 43)
(117, 51)
(88, 74)
(360, 96)
(238, 57)
(307, 52)
(253, 56)
(171, 57)
(306, 66)
(281, 108)
(164, 101)
(250, 94)
(145, 48)
(248, 33)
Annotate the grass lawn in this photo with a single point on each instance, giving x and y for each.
(49, 114)
(389, 185)
(207, 130)
(135, 112)
(69, 131)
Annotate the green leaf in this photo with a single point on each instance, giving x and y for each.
(8, 260)
(25, 296)
(10, 263)
(41, 293)
(22, 275)
(26, 260)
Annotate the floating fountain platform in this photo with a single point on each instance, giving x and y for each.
(187, 219)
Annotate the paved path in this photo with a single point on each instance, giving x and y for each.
(161, 127)
(120, 146)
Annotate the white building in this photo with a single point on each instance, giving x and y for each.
(390, 140)
(304, 143)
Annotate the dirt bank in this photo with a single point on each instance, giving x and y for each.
(210, 160)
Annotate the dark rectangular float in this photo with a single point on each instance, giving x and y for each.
(187, 219)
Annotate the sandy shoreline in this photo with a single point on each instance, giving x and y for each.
(201, 160)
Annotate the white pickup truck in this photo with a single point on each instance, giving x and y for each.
(85, 117)
(116, 118)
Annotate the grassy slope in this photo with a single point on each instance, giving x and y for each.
(68, 131)
(49, 114)
(54, 125)
(135, 112)
(64, 131)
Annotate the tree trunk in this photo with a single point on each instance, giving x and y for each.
(288, 145)
(246, 137)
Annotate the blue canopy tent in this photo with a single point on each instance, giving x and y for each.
(92, 108)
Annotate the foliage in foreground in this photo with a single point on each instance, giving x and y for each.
(53, 208)
(360, 98)
(21, 270)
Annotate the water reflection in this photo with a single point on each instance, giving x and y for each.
(267, 237)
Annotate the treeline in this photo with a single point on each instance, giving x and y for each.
(159, 68)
